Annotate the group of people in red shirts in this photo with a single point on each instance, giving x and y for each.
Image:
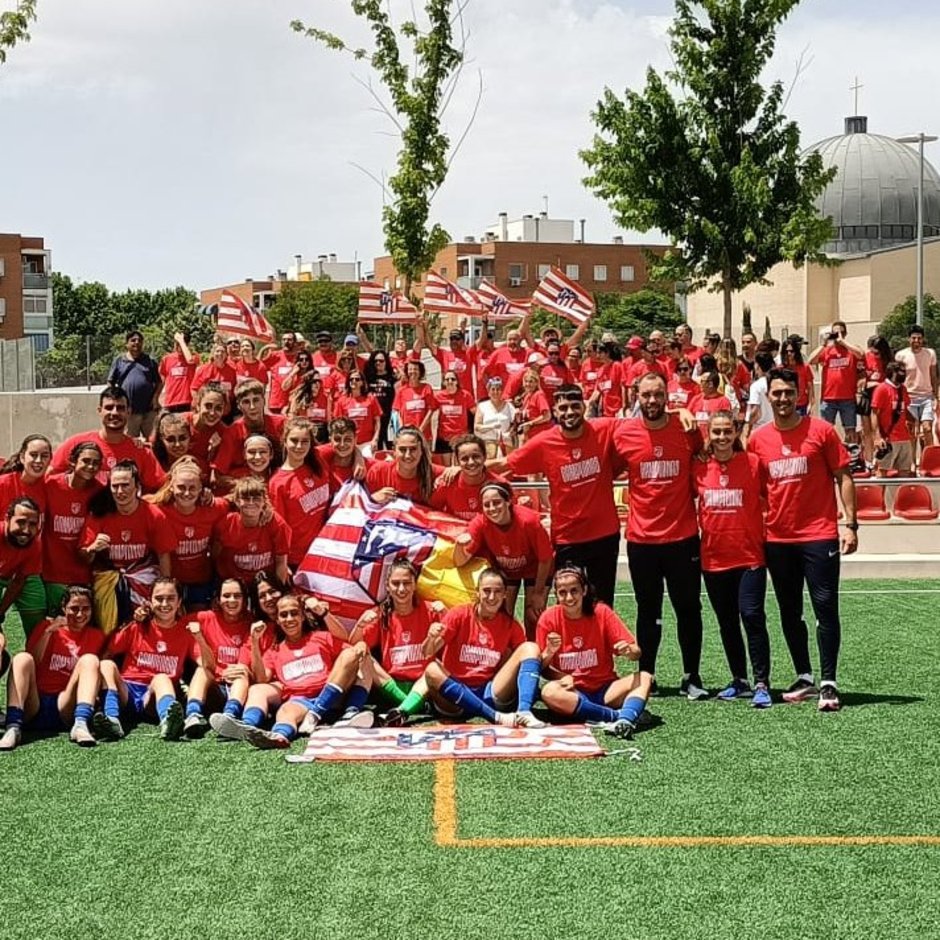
(134, 564)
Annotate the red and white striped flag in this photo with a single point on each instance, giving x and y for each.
(559, 294)
(500, 307)
(443, 296)
(236, 316)
(379, 305)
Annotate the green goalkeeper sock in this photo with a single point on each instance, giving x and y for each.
(412, 703)
(394, 691)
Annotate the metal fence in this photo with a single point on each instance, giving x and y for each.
(17, 365)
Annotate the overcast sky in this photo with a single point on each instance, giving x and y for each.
(163, 142)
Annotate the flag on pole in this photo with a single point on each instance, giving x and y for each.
(379, 305)
(444, 296)
(558, 294)
(499, 306)
(236, 316)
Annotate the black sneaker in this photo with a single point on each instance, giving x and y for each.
(395, 718)
(692, 688)
(829, 699)
(800, 691)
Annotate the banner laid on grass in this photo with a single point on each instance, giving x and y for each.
(448, 742)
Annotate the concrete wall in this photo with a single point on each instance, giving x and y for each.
(57, 413)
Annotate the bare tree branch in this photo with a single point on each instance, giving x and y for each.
(801, 66)
(382, 106)
(456, 148)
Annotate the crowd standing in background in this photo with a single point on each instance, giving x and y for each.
(158, 547)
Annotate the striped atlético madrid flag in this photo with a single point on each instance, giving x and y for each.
(379, 305)
(443, 296)
(500, 307)
(236, 316)
(559, 294)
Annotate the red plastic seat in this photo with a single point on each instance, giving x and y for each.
(930, 461)
(914, 501)
(870, 498)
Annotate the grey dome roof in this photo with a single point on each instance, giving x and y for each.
(873, 199)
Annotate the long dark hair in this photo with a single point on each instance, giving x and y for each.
(387, 607)
(14, 464)
(312, 460)
(589, 601)
(425, 467)
(102, 503)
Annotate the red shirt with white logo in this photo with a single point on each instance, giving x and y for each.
(66, 512)
(128, 448)
(453, 419)
(384, 473)
(210, 372)
(414, 404)
(303, 666)
(363, 411)
(63, 650)
(706, 407)
(191, 537)
(460, 363)
(177, 375)
(246, 550)
(839, 373)
(462, 499)
(587, 644)
(580, 473)
(474, 649)
(588, 376)
(149, 650)
(517, 549)
(280, 365)
(553, 375)
(730, 513)
(609, 382)
(250, 370)
(503, 364)
(303, 497)
(659, 464)
(797, 469)
(135, 537)
(225, 639)
(230, 456)
(683, 394)
(401, 641)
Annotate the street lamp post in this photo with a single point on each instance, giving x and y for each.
(919, 139)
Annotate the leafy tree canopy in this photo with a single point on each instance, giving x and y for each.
(895, 326)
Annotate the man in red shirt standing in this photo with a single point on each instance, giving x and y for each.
(576, 458)
(662, 530)
(279, 364)
(177, 370)
(800, 458)
(691, 352)
(840, 364)
(890, 402)
(508, 360)
(455, 357)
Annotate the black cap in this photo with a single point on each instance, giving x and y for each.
(324, 334)
(456, 334)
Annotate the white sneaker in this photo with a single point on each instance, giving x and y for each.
(506, 719)
(12, 738)
(225, 726)
(528, 720)
(81, 735)
(195, 726)
(358, 719)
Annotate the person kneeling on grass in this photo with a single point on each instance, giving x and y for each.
(225, 674)
(54, 684)
(486, 663)
(154, 649)
(302, 678)
(400, 625)
(579, 638)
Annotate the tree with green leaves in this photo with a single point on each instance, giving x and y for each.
(14, 26)
(310, 306)
(895, 327)
(705, 154)
(419, 94)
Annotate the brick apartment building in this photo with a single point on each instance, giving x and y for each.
(25, 290)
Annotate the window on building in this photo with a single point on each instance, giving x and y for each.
(573, 271)
(517, 273)
(3, 309)
(543, 269)
(627, 273)
(387, 283)
(443, 270)
(397, 282)
(600, 272)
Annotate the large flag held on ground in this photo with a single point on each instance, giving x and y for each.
(236, 316)
(347, 562)
(377, 304)
(499, 306)
(444, 296)
(559, 294)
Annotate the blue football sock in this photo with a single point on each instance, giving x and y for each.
(285, 730)
(356, 697)
(163, 705)
(588, 711)
(457, 693)
(632, 708)
(84, 712)
(14, 716)
(233, 707)
(112, 703)
(527, 682)
(253, 717)
(194, 707)
(327, 701)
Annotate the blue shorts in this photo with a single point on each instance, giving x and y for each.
(136, 697)
(48, 717)
(303, 700)
(597, 696)
(829, 410)
(484, 692)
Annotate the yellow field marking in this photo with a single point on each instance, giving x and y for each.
(446, 821)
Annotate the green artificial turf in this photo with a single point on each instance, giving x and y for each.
(146, 839)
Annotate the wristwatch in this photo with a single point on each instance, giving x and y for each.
(852, 525)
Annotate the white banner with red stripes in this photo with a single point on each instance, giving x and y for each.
(559, 294)
(377, 304)
(444, 296)
(237, 317)
(448, 742)
(498, 305)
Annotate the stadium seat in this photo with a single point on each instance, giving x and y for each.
(930, 461)
(871, 502)
(913, 501)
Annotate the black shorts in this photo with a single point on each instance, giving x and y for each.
(442, 447)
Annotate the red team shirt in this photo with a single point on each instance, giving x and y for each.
(587, 644)
(210, 372)
(134, 537)
(797, 469)
(226, 640)
(504, 364)
(384, 473)
(149, 650)
(63, 650)
(659, 464)
(177, 375)
(247, 550)
(12, 487)
(250, 370)
(453, 420)
(461, 363)
(883, 401)
(66, 512)
(303, 497)
(191, 538)
(279, 366)
(414, 404)
(609, 382)
(363, 412)
(128, 448)
(460, 498)
(474, 649)
(516, 550)
(580, 473)
(730, 513)
(839, 373)
(230, 456)
(302, 668)
(402, 640)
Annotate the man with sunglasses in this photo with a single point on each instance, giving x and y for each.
(456, 357)
(577, 458)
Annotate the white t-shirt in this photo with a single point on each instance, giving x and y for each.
(758, 396)
(490, 424)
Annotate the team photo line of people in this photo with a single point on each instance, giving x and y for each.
(151, 558)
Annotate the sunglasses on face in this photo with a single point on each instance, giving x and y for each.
(683, 369)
